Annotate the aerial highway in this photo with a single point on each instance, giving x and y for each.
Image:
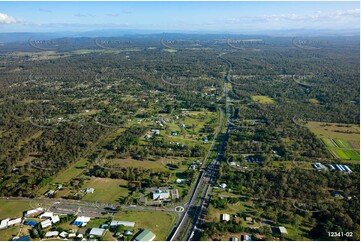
(191, 219)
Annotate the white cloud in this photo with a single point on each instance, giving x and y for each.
(6, 19)
(317, 16)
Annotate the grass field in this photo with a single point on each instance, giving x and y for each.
(12, 209)
(347, 154)
(342, 143)
(314, 101)
(106, 190)
(336, 131)
(342, 140)
(74, 170)
(129, 162)
(262, 99)
(160, 223)
(9, 233)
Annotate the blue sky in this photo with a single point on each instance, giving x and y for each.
(179, 16)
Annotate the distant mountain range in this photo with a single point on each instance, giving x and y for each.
(25, 36)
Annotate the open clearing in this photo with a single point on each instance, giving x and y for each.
(106, 190)
(9, 233)
(12, 209)
(342, 140)
(262, 99)
(129, 162)
(74, 170)
(160, 223)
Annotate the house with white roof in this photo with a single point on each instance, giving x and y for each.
(4, 223)
(89, 190)
(81, 221)
(55, 219)
(160, 195)
(282, 230)
(63, 234)
(47, 215)
(225, 217)
(51, 234)
(115, 223)
(14, 221)
(223, 185)
(33, 212)
(46, 223)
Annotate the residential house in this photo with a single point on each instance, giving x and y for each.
(97, 232)
(282, 230)
(160, 195)
(46, 223)
(225, 217)
(115, 223)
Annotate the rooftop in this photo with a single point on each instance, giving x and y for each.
(97, 232)
(145, 235)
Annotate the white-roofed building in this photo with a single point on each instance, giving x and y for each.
(33, 212)
(160, 195)
(225, 217)
(115, 223)
(283, 230)
(81, 221)
(4, 223)
(14, 221)
(63, 234)
(55, 219)
(97, 232)
(47, 215)
(72, 235)
(223, 185)
(89, 190)
(46, 223)
(246, 237)
(52, 234)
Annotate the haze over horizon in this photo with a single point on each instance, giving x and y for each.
(212, 17)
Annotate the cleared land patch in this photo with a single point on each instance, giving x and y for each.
(106, 190)
(262, 99)
(342, 140)
(12, 209)
(160, 223)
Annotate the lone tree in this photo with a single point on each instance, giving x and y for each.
(119, 228)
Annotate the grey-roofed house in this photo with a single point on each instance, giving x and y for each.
(97, 232)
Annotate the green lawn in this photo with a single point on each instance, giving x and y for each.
(347, 154)
(160, 223)
(74, 170)
(346, 137)
(327, 142)
(262, 99)
(107, 190)
(9, 233)
(129, 162)
(342, 143)
(12, 209)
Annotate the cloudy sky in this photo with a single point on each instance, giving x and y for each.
(177, 16)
